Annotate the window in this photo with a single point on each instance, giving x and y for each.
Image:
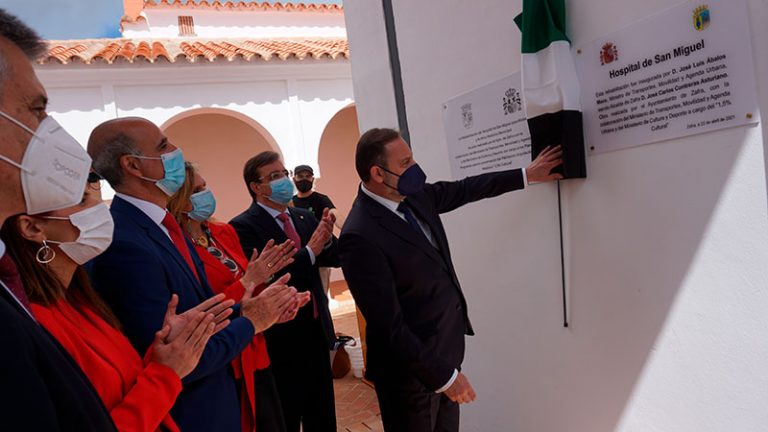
(186, 26)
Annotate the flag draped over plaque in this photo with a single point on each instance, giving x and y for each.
(550, 85)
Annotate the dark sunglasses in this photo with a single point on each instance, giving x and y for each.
(94, 180)
(94, 177)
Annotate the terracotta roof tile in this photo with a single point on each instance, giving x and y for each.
(172, 50)
(242, 6)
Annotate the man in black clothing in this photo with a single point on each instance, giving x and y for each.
(310, 199)
(395, 256)
(42, 389)
(298, 349)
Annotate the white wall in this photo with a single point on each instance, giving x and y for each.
(666, 244)
(163, 23)
(293, 102)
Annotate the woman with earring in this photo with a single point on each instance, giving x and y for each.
(49, 250)
(231, 273)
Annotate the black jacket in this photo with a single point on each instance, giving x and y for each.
(256, 227)
(42, 387)
(407, 289)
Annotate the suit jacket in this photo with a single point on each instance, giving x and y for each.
(43, 389)
(254, 357)
(256, 227)
(137, 276)
(407, 289)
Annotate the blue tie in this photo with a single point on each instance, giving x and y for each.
(410, 218)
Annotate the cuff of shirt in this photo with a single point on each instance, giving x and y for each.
(453, 377)
(311, 255)
(525, 178)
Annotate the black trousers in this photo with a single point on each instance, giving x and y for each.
(269, 412)
(407, 406)
(304, 382)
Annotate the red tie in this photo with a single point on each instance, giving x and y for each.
(9, 274)
(291, 233)
(177, 237)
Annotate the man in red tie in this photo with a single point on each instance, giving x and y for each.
(298, 350)
(42, 387)
(150, 259)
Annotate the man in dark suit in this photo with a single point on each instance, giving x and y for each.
(395, 257)
(42, 387)
(298, 350)
(150, 259)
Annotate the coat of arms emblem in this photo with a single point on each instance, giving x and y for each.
(701, 17)
(511, 101)
(609, 53)
(466, 115)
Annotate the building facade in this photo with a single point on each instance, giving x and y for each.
(224, 81)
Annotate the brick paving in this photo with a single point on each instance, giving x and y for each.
(357, 409)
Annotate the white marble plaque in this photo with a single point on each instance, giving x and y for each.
(685, 71)
(486, 129)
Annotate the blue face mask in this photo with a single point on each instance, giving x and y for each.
(411, 181)
(203, 205)
(282, 191)
(173, 164)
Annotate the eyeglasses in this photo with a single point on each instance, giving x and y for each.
(228, 263)
(276, 175)
(94, 180)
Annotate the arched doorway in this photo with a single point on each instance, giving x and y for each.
(336, 158)
(219, 141)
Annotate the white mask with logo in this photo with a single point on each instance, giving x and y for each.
(96, 227)
(54, 168)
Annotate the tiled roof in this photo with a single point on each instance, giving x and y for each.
(243, 6)
(100, 51)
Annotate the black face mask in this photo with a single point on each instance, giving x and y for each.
(304, 185)
(410, 182)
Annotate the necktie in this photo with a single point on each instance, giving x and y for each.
(177, 237)
(291, 233)
(410, 218)
(9, 274)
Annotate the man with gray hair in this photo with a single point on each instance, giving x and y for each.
(150, 259)
(42, 387)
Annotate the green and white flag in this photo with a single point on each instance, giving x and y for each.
(550, 85)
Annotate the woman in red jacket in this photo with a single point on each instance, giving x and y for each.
(48, 250)
(231, 273)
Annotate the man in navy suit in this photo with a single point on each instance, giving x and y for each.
(42, 388)
(395, 257)
(298, 350)
(150, 259)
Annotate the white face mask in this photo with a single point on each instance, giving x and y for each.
(96, 227)
(54, 168)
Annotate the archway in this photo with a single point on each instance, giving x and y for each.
(220, 141)
(336, 158)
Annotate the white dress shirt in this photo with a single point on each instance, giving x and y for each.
(152, 210)
(275, 213)
(392, 206)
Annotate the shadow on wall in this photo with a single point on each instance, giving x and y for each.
(633, 244)
(336, 158)
(220, 142)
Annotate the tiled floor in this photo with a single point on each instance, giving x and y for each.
(357, 409)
